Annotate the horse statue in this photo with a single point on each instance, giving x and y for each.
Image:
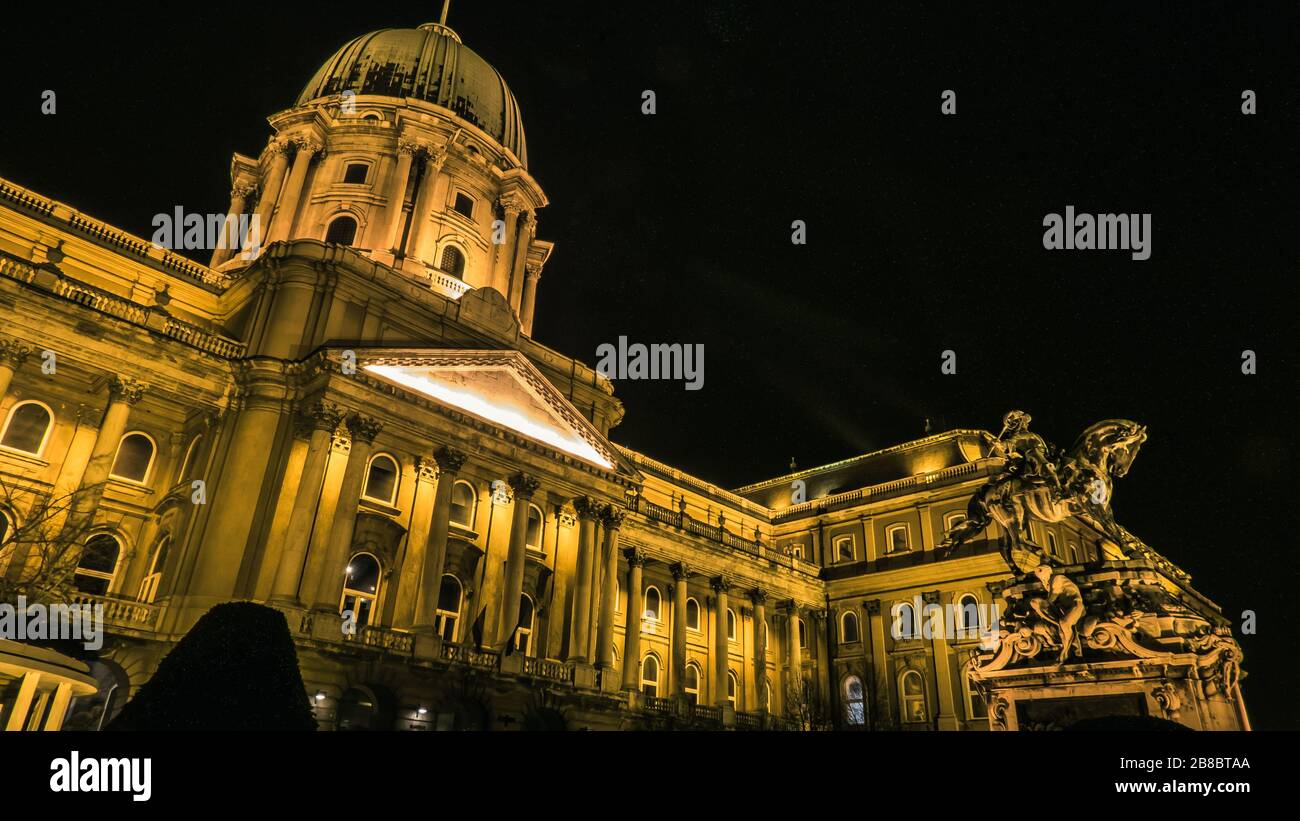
(1039, 481)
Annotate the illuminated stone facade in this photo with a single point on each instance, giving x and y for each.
(349, 420)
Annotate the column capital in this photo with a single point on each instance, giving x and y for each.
(512, 205)
(720, 584)
(279, 145)
(13, 353)
(588, 508)
(319, 415)
(449, 459)
(310, 145)
(611, 517)
(790, 607)
(407, 145)
(434, 158)
(930, 597)
(872, 606)
(364, 428)
(679, 571)
(524, 485)
(634, 557)
(758, 596)
(426, 469)
(532, 271)
(125, 389)
(244, 191)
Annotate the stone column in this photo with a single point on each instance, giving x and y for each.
(12, 356)
(532, 274)
(450, 461)
(879, 678)
(822, 668)
(58, 706)
(523, 487)
(759, 597)
(947, 718)
(282, 223)
(319, 422)
(632, 622)
(680, 574)
(511, 207)
(721, 665)
(612, 518)
(423, 205)
(329, 590)
(527, 228)
(123, 393)
(230, 239)
(16, 716)
(793, 650)
(391, 235)
(581, 626)
(273, 182)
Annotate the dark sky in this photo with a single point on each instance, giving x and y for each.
(924, 231)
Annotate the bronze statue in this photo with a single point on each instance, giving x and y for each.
(1037, 480)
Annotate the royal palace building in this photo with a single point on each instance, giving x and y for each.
(345, 416)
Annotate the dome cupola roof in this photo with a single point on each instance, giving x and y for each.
(428, 63)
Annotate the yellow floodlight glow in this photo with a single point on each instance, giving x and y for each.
(481, 406)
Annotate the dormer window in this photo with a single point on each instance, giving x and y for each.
(464, 205)
(356, 173)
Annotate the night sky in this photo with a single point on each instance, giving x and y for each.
(924, 231)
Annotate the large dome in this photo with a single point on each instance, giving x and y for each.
(428, 63)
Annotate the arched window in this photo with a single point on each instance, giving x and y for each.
(854, 701)
(691, 683)
(360, 588)
(464, 205)
(1074, 552)
(732, 690)
(28, 428)
(149, 587)
(731, 624)
(524, 635)
(1051, 544)
(134, 458)
(693, 615)
(533, 537)
(897, 539)
(453, 261)
(904, 626)
(190, 463)
(849, 627)
(911, 691)
(844, 549)
(343, 230)
(382, 479)
(463, 502)
(803, 635)
(767, 695)
(653, 603)
(448, 613)
(650, 675)
(968, 616)
(95, 568)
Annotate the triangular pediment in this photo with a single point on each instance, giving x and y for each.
(500, 387)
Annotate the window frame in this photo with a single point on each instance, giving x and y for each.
(149, 468)
(524, 633)
(397, 479)
(697, 628)
(904, 699)
(733, 626)
(855, 710)
(342, 215)
(964, 631)
(657, 618)
(351, 163)
(952, 518)
(45, 437)
(107, 576)
(889, 539)
(733, 690)
(464, 260)
(456, 194)
(541, 528)
(650, 658)
(857, 628)
(371, 596)
(836, 545)
(895, 611)
(686, 687)
(442, 617)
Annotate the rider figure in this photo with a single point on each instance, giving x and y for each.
(1018, 443)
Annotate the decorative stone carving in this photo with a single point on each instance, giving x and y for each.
(126, 389)
(634, 557)
(364, 428)
(720, 584)
(426, 468)
(611, 517)
(587, 508)
(524, 485)
(1037, 481)
(758, 596)
(449, 459)
(13, 353)
(319, 415)
(679, 571)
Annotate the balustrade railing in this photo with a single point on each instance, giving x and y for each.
(120, 612)
(545, 668)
